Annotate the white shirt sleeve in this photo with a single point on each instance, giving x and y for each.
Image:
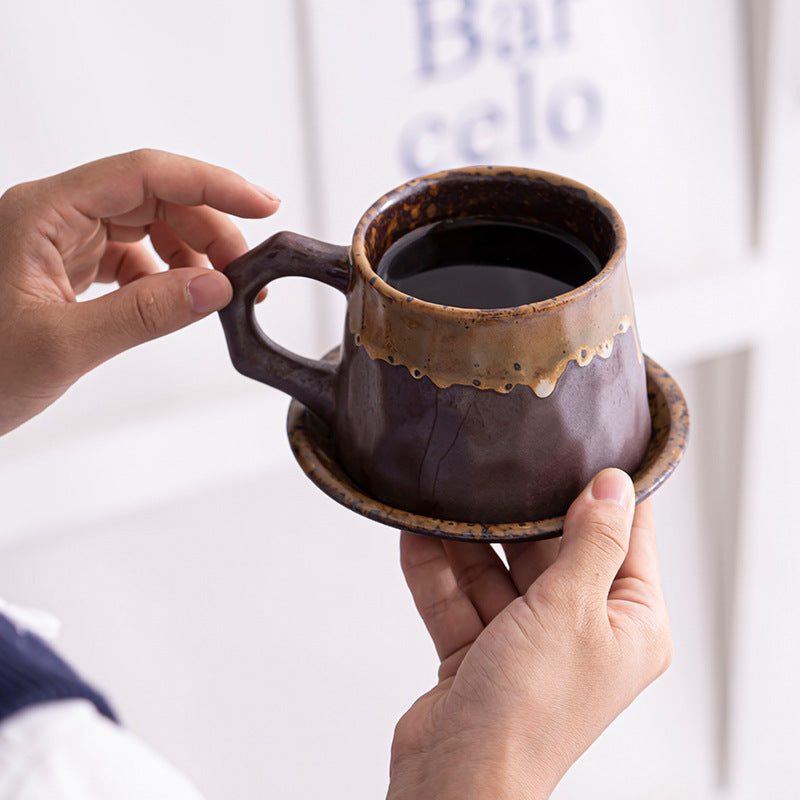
(66, 750)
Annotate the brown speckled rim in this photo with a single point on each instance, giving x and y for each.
(311, 444)
(413, 190)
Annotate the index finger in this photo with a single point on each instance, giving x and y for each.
(114, 186)
(641, 560)
(449, 615)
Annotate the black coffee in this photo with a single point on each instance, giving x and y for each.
(479, 263)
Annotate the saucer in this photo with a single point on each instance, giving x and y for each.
(312, 446)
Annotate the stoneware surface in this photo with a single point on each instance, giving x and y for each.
(312, 445)
(468, 414)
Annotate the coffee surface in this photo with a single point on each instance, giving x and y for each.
(481, 263)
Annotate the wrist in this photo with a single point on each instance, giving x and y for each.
(472, 766)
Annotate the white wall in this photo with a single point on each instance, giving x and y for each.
(250, 628)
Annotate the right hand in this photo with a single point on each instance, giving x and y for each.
(537, 660)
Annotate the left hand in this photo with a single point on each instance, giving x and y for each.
(61, 234)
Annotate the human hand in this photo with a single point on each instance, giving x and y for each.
(536, 660)
(61, 234)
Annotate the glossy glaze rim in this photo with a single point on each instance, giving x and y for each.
(436, 181)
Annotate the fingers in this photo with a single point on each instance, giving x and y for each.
(641, 562)
(123, 263)
(132, 191)
(636, 601)
(177, 254)
(149, 307)
(596, 534)
(639, 578)
(112, 188)
(528, 560)
(207, 231)
(447, 612)
(176, 251)
(203, 229)
(481, 576)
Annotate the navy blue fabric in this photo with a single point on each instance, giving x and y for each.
(31, 672)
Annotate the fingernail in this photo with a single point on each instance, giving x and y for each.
(266, 192)
(209, 293)
(613, 484)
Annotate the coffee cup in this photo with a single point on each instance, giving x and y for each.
(490, 363)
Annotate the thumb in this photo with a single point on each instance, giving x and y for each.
(597, 531)
(145, 309)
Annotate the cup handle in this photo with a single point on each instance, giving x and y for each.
(253, 353)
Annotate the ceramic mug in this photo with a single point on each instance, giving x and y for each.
(490, 415)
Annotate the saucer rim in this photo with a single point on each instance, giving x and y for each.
(306, 449)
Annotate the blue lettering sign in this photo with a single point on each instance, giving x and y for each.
(438, 35)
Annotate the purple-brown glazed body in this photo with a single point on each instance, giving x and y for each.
(493, 415)
(466, 454)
